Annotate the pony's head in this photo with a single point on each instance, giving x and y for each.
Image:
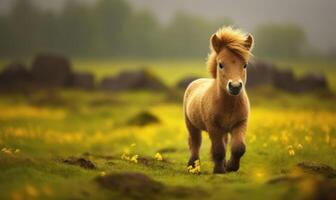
(227, 62)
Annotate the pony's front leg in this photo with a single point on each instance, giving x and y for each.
(217, 151)
(237, 146)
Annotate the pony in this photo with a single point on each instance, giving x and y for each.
(220, 105)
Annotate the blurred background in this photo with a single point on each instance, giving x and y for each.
(91, 99)
(161, 29)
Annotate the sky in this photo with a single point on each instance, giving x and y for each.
(315, 16)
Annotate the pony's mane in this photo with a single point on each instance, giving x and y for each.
(232, 39)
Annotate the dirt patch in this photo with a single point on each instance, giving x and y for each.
(317, 169)
(137, 185)
(143, 118)
(307, 187)
(149, 161)
(309, 181)
(131, 184)
(81, 162)
(167, 150)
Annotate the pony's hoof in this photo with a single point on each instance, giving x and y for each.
(192, 162)
(232, 167)
(219, 170)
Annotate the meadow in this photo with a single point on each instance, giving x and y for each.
(60, 143)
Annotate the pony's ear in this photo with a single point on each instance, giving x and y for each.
(249, 42)
(215, 43)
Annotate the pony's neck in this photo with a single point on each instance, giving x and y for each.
(223, 96)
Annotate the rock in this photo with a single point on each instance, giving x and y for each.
(285, 80)
(14, 77)
(183, 83)
(260, 73)
(135, 80)
(51, 70)
(83, 81)
(311, 82)
(132, 184)
(143, 118)
(82, 162)
(264, 73)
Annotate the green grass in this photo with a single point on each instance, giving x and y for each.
(49, 128)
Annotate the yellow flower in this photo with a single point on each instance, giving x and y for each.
(291, 152)
(327, 138)
(134, 159)
(158, 157)
(259, 174)
(196, 169)
(299, 146)
(124, 156)
(6, 151)
(308, 138)
(133, 145)
(32, 191)
(103, 173)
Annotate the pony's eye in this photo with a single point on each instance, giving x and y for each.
(220, 65)
(245, 66)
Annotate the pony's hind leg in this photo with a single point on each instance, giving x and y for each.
(194, 140)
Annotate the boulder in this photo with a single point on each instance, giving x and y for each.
(264, 73)
(15, 76)
(260, 73)
(183, 83)
(133, 80)
(83, 80)
(51, 70)
(311, 82)
(285, 80)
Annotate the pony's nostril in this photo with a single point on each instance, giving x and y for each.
(235, 89)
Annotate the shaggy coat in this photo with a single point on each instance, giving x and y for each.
(219, 105)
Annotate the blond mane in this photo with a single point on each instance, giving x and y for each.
(232, 39)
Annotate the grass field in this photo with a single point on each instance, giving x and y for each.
(43, 135)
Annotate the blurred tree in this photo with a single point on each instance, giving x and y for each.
(189, 35)
(110, 17)
(23, 25)
(75, 30)
(142, 36)
(279, 40)
(107, 29)
(4, 37)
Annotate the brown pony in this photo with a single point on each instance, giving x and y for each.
(219, 105)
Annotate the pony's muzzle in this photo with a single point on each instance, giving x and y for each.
(234, 88)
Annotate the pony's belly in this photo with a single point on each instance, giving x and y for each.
(226, 123)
